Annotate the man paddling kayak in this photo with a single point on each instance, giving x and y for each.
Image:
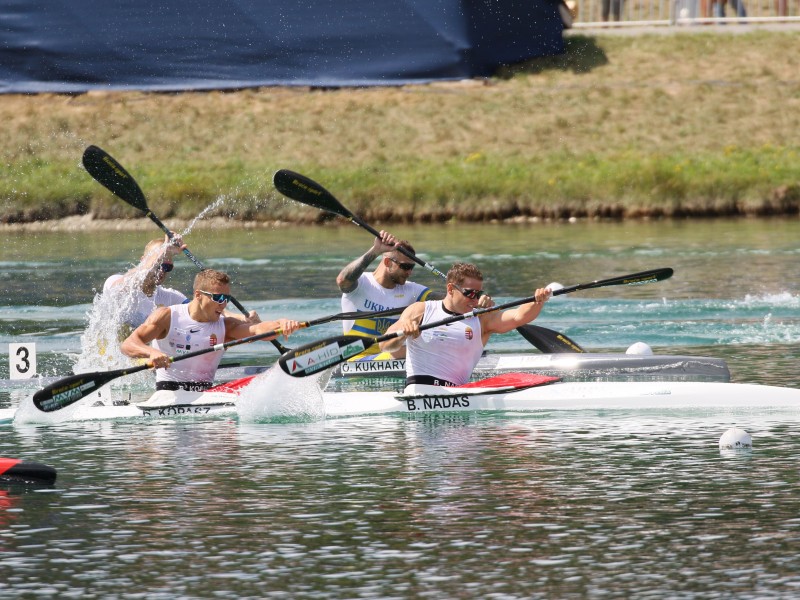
(384, 288)
(446, 355)
(184, 328)
(141, 289)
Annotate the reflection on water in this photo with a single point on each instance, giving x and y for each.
(619, 504)
(520, 507)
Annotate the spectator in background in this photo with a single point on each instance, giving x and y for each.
(612, 8)
(718, 8)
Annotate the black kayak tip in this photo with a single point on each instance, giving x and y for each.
(14, 470)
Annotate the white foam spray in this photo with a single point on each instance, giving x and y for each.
(276, 396)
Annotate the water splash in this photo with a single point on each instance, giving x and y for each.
(28, 413)
(114, 313)
(211, 207)
(275, 396)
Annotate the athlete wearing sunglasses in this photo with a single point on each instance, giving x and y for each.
(133, 295)
(384, 288)
(406, 266)
(174, 330)
(446, 355)
(218, 298)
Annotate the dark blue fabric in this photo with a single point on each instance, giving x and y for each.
(81, 45)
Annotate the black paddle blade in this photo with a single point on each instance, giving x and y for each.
(69, 390)
(302, 189)
(324, 354)
(549, 341)
(112, 176)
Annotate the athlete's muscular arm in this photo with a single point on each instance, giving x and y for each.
(347, 280)
(408, 324)
(236, 329)
(137, 344)
(506, 320)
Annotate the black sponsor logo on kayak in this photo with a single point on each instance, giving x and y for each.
(437, 403)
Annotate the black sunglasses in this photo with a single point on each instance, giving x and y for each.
(218, 298)
(404, 266)
(167, 267)
(472, 294)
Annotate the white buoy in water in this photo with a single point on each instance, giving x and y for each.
(555, 286)
(735, 439)
(640, 348)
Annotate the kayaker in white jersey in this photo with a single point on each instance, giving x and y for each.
(446, 355)
(384, 288)
(183, 328)
(140, 290)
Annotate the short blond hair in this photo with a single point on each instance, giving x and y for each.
(154, 245)
(208, 277)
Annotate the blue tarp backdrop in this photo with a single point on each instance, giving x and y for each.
(81, 45)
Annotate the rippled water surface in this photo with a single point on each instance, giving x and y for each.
(573, 504)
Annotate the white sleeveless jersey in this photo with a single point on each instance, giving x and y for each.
(371, 296)
(135, 305)
(447, 352)
(187, 335)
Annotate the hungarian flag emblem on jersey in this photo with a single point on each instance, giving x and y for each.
(468, 333)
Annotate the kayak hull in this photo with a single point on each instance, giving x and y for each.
(680, 396)
(575, 396)
(622, 367)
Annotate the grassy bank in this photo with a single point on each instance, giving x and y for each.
(683, 124)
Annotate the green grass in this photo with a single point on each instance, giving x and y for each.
(619, 126)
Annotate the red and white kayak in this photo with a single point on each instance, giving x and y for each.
(514, 392)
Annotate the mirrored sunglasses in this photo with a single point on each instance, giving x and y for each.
(402, 265)
(472, 294)
(218, 298)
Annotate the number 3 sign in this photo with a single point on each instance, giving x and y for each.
(21, 361)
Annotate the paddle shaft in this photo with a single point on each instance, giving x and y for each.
(301, 188)
(113, 176)
(69, 390)
(66, 391)
(305, 190)
(318, 356)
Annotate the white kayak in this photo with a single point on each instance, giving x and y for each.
(520, 392)
(573, 365)
(101, 404)
(572, 396)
